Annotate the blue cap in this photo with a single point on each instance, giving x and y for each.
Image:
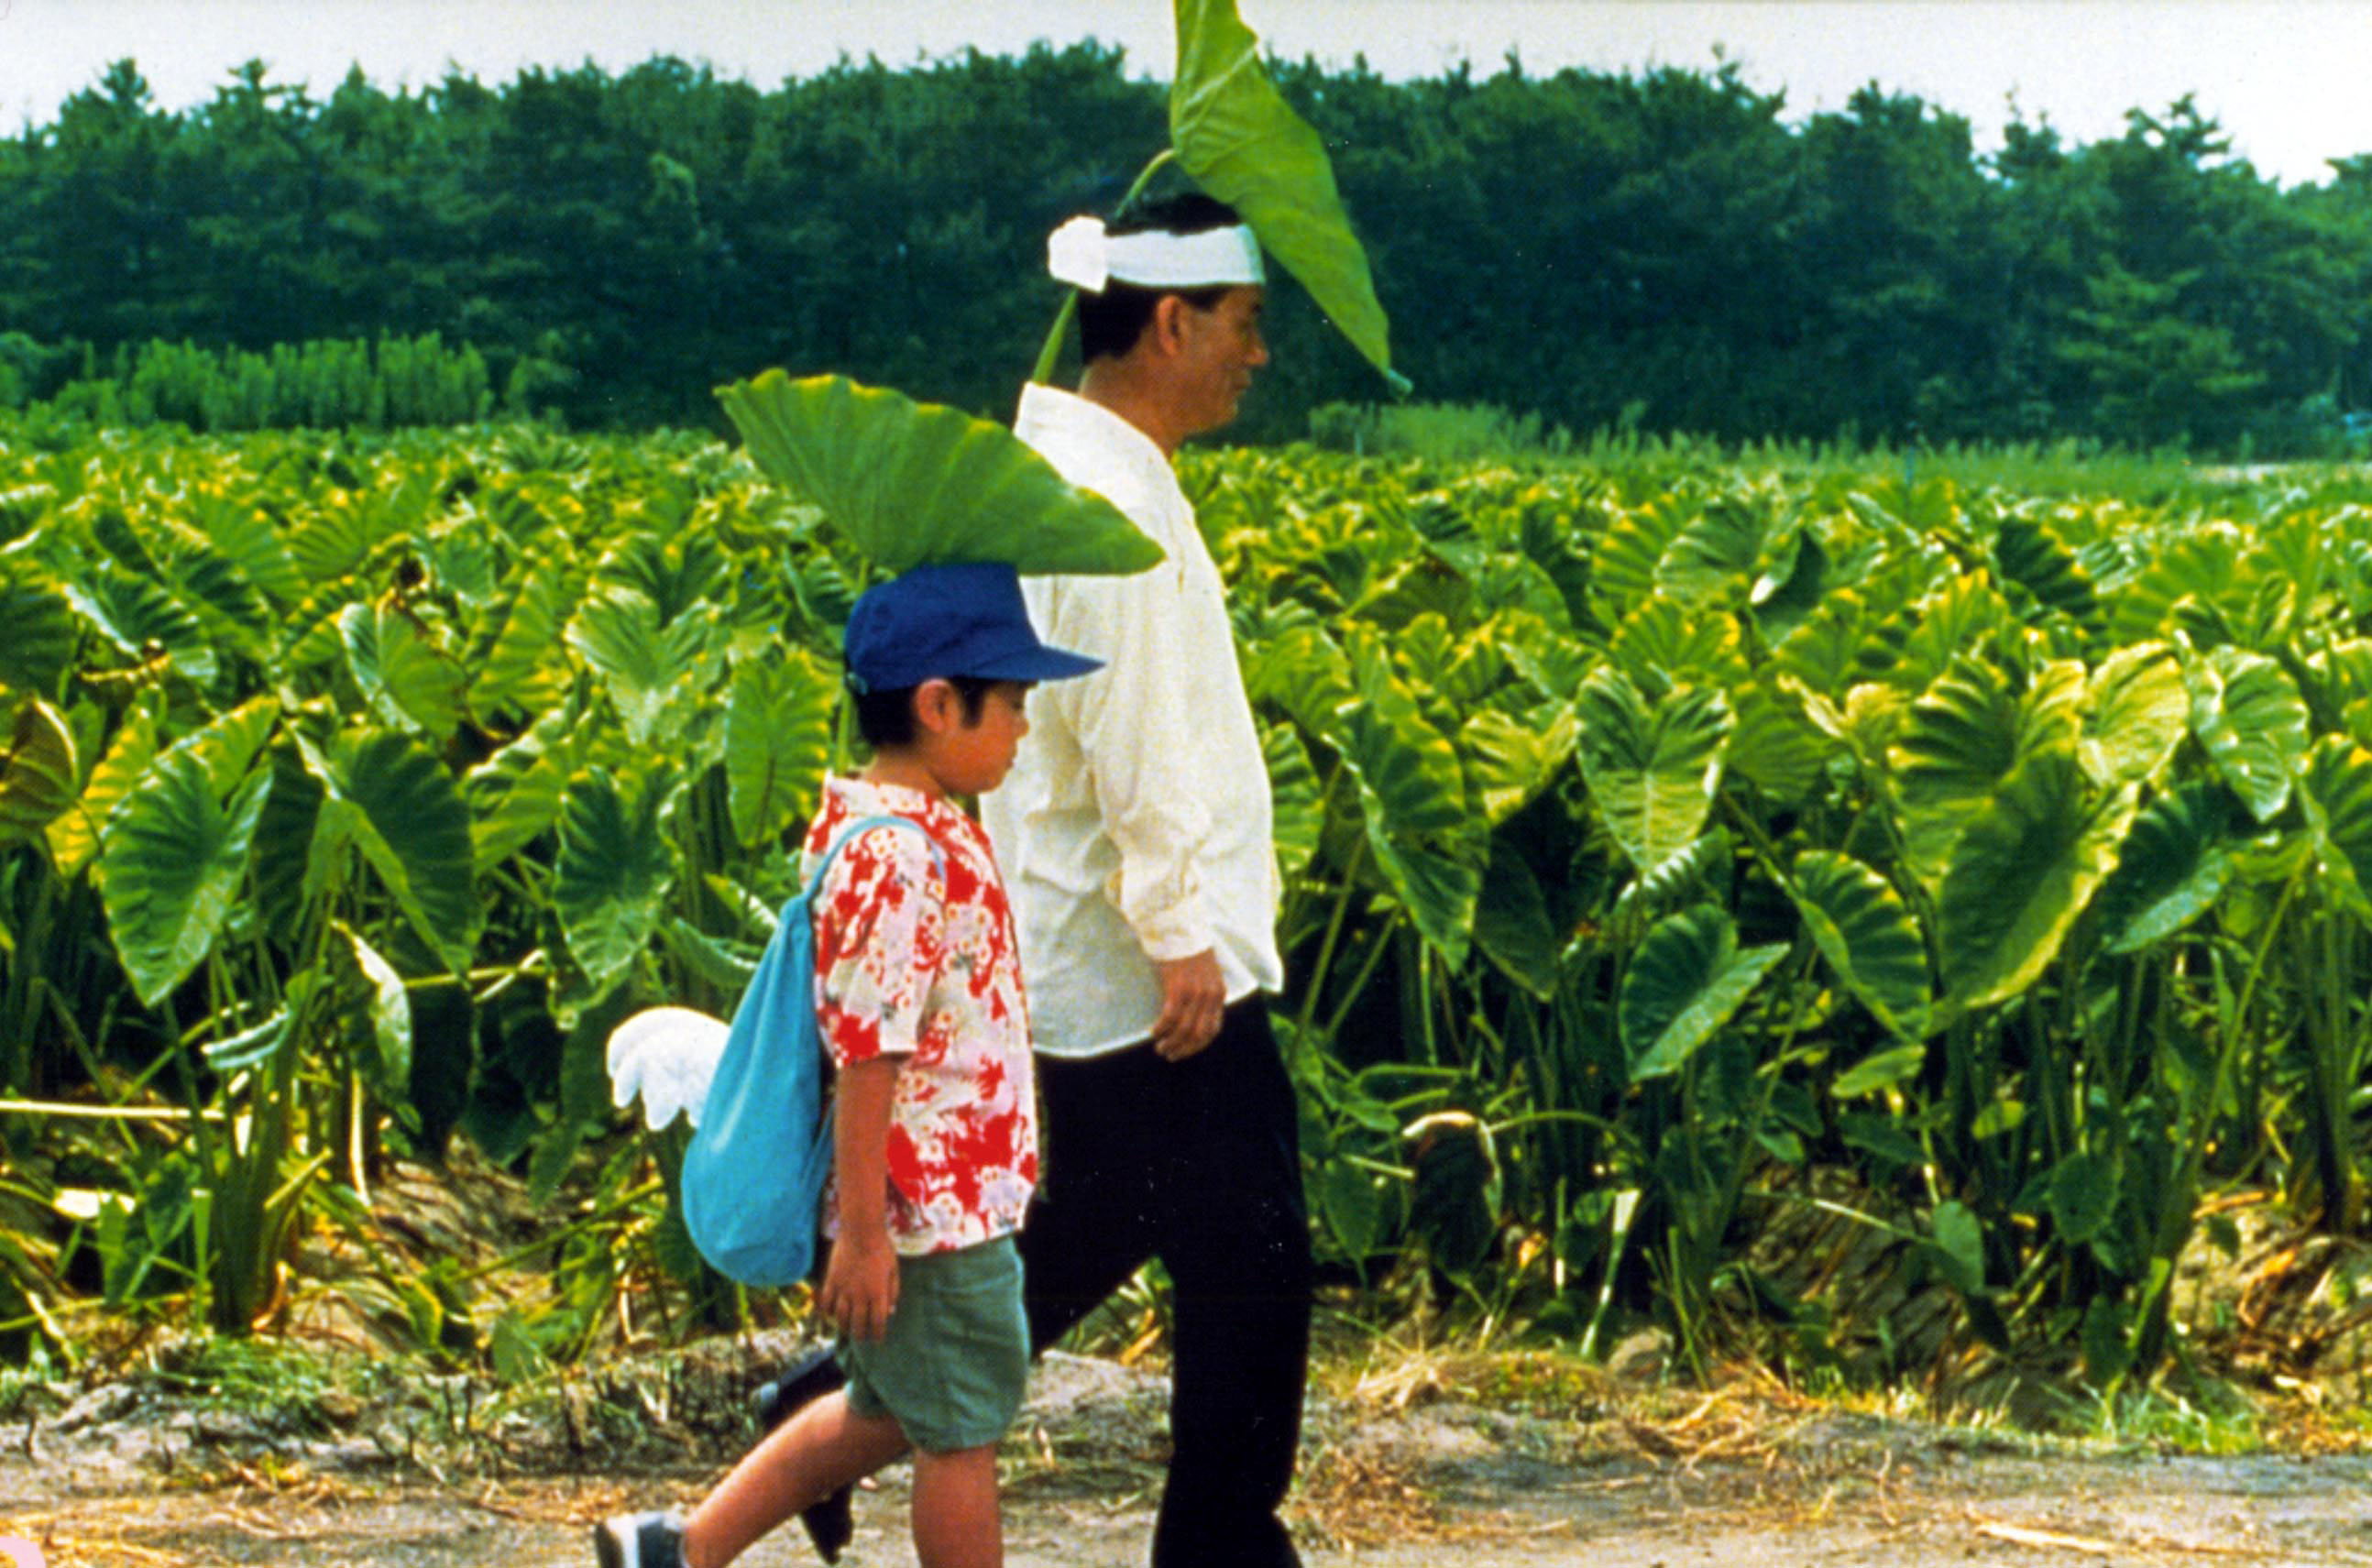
(936, 623)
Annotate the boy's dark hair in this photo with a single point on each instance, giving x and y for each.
(1110, 323)
(886, 718)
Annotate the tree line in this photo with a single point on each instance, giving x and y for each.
(1661, 250)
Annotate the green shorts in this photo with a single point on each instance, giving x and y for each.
(955, 1361)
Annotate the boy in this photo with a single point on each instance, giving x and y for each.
(934, 1130)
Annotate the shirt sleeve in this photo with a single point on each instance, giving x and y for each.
(1146, 773)
(880, 940)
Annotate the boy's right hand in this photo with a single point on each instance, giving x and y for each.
(860, 1284)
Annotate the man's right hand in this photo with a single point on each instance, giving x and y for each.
(1193, 994)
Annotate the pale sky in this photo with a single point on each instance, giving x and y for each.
(2290, 80)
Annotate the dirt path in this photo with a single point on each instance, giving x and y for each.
(1985, 1511)
(124, 1482)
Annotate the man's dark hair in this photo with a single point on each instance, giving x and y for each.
(886, 718)
(1110, 323)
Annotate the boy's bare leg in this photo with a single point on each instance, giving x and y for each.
(956, 1523)
(824, 1447)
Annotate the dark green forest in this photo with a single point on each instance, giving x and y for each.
(1665, 251)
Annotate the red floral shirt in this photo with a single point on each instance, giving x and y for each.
(917, 960)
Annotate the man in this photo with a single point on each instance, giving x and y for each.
(1133, 835)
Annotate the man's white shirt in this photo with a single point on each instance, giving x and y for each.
(1134, 826)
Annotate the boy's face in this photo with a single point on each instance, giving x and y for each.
(973, 756)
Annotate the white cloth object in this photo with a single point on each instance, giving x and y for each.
(1135, 824)
(1083, 254)
(664, 1055)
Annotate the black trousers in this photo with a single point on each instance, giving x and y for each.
(1196, 1162)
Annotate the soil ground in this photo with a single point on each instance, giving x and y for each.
(1411, 1468)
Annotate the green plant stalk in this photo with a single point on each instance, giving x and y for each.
(26, 981)
(1626, 1206)
(2175, 1220)
(253, 1207)
(1383, 940)
(2329, 1076)
(1767, 1084)
(592, 1222)
(1325, 964)
(1424, 995)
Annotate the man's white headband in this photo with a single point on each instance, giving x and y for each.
(1082, 254)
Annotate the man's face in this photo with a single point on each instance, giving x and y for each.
(1220, 348)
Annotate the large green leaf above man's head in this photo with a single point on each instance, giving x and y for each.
(914, 484)
(1239, 139)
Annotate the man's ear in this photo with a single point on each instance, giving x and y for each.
(1168, 328)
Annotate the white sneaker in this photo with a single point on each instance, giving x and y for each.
(640, 1541)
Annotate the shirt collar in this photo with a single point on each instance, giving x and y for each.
(1051, 411)
(863, 797)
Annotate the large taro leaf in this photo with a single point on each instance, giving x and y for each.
(1296, 800)
(248, 533)
(525, 665)
(36, 633)
(1703, 872)
(1866, 932)
(1510, 761)
(911, 484)
(2336, 785)
(1959, 742)
(1652, 769)
(2135, 713)
(2171, 868)
(1663, 641)
(2081, 1192)
(1961, 616)
(74, 834)
(1958, 1246)
(777, 743)
(1685, 982)
(1624, 565)
(409, 681)
(1776, 745)
(615, 868)
(290, 877)
(138, 617)
(390, 798)
(38, 773)
(174, 864)
(1239, 139)
(2029, 554)
(518, 792)
(2198, 570)
(218, 593)
(1713, 558)
(378, 1012)
(1455, 1188)
(228, 743)
(1791, 579)
(1412, 797)
(2251, 722)
(1300, 670)
(1512, 925)
(2020, 875)
(658, 675)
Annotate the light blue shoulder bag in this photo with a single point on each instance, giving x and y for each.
(754, 1174)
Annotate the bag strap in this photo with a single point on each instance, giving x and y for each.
(883, 820)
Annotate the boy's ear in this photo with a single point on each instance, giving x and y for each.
(938, 706)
